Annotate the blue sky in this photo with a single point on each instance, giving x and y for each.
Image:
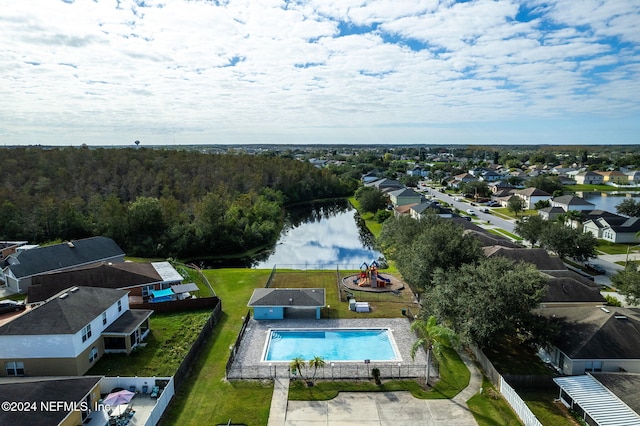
(324, 71)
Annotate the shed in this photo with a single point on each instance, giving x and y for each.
(280, 303)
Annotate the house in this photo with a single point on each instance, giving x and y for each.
(531, 196)
(81, 396)
(490, 176)
(278, 303)
(571, 202)
(614, 177)
(567, 288)
(616, 229)
(137, 277)
(68, 333)
(8, 248)
(633, 176)
(73, 401)
(551, 213)
(419, 210)
(589, 178)
(458, 180)
(500, 186)
(385, 185)
(418, 171)
(602, 399)
(540, 258)
(403, 210)
(24, 265)
(595, 339)
(402, 197)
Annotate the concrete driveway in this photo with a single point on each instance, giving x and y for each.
(378, 408)
(375, 408)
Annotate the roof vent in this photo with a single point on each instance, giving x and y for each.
(70, 244)
(64, 295)
(74, 289)
(605, 309)
(620, 317)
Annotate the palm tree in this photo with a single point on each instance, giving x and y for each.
(315, 363)
(570, 218)
(297, 365)
(434, 337)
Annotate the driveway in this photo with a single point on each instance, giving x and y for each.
(376, 408)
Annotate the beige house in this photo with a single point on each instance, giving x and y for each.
(614, 176)
(531, 196)
(67, 334)
(589, 178)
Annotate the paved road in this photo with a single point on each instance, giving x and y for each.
(507, 225)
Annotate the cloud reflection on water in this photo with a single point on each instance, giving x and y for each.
(326, 239)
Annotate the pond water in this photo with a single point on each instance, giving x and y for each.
(607, 200)
(321, 236)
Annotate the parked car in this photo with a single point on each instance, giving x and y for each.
(493, 204)
(595, 268)
(471, 212)
(11, 306)
(484, 210)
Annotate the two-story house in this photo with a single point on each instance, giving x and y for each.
(67, 334)
(22, 266)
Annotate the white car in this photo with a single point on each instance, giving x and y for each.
(471, 212)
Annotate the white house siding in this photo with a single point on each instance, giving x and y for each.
(58, 345)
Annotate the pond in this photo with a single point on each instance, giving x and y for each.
(607, 200)
(321, 236)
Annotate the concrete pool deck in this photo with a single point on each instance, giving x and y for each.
(248, 363)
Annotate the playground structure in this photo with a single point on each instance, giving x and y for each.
(370, 277)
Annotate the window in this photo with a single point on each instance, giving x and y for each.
(93, 355)
(104, 318)
(594, 366)
(14, 368)
(86, 333)
(119, 305)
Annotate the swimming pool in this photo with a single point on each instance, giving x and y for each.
(331, 344)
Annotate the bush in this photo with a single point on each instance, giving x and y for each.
(382, 215)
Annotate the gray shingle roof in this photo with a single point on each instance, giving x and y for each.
(569, 288)
(623, 385)
(572, 200)
(65, 255)
(537, 256)
(592, 333)
(43, 390)
(117, 275)
(307, 297)
(66, 315)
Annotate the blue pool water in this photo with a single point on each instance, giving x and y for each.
(331, 345)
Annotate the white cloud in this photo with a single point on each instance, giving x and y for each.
(276, 71)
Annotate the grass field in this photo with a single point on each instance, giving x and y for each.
(489, 408)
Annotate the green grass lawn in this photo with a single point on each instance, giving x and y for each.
(454, 376)
(549, 412)
(384, 305)
(504, 233)
(206, 398)
(489, 408)
(506, 214)
(169, 340)
(596, 188)
(612, 248)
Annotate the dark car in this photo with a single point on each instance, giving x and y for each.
(11, 306)
(595, 268)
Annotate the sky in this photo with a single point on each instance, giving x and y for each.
(100, 72)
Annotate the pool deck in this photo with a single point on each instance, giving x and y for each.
(248, 363)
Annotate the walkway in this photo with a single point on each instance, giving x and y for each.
(375, 408)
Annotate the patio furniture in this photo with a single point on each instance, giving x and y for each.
(133, 389)
(155, 391)
(145, 389)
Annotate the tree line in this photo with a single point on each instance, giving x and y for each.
(154, 202)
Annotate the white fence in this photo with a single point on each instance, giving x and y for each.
(142, 384)
(518, 405)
